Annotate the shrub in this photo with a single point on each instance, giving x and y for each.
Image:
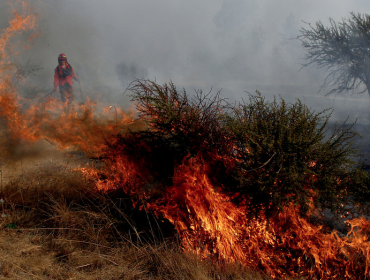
(267, 153)
(177, 126)
(285, 155)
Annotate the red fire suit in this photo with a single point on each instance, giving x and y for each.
(63, 78)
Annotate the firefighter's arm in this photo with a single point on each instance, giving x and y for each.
(56, 80)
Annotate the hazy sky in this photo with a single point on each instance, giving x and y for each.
(233, 45)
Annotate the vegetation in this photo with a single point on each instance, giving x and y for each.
(343, 50)
(56, 225)
(266, 154)
(272, 153)
(285, 155)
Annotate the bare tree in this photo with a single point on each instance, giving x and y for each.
(343, 49)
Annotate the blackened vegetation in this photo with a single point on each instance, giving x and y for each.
(268, 153)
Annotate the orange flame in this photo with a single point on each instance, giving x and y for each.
(208, 222)
(27, 20)
(77, 125)
(211, 225)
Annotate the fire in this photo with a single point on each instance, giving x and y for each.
(27, 20)
(207, 220)
(78, 125)
(211, 225)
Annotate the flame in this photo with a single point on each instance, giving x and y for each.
(211, 225)
(119, 172)
(203, 216)
(80, 126)
(22, 21)
(207, 220)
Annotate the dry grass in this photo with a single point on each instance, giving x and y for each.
(37, 256)
(55, 225)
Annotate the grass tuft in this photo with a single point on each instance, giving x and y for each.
(56, 225)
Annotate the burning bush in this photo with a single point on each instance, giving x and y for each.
(225, 176)
(235, 181)
(272, 154)
(177, 126)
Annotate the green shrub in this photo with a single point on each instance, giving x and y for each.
(270, 153)
(285, 155)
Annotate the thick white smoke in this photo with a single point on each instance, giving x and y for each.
(233, 45)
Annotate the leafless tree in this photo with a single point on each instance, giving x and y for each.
(343, 49)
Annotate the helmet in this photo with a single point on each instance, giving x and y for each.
(62, 56)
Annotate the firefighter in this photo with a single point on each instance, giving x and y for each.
(63, 76)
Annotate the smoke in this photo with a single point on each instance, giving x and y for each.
(130, 72)
(236, 46)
